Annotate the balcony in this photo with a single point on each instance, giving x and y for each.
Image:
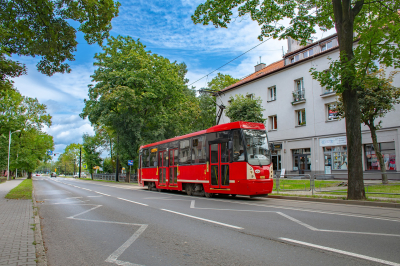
(298, 97)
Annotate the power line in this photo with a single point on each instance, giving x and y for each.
(230, 61)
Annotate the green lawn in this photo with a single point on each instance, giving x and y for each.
(22, 191)
(303, 184)
(391, 188)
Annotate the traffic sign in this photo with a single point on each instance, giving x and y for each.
(84, 166)
(130, 162)
(49, 152)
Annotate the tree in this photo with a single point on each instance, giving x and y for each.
(43, 28)
(244, 108)
(221, 81)
(68, 160)
(91, 156)
(139, 97)
(377, 96)
(31, 148)
(375, 24)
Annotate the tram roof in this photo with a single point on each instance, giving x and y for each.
(217, 128)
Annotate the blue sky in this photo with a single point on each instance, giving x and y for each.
(165, 27)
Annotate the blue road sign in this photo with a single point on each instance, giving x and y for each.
(49, 152)
(130, 162)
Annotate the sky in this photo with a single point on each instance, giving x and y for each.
(165, 27)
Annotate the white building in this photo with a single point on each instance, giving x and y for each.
(308, 136)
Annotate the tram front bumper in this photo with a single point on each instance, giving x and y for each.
(259, 186)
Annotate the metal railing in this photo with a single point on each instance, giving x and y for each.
(367, 186)
(298, 95)
(109, 177)
(278, 187)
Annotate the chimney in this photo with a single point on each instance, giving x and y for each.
(259, 66)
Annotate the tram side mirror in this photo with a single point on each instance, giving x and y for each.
(272, 147)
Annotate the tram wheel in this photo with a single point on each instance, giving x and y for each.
(209, 195)
(159, 190)
(233, 195)
(189, 190)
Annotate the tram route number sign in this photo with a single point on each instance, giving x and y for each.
(130, 162)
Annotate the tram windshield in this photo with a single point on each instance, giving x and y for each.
(258, 152)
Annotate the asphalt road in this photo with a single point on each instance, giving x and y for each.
(98, 223)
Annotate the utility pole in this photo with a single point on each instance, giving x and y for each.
(80, 161)
(74, 166)
(116, 174)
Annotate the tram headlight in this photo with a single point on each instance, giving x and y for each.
(271, 172)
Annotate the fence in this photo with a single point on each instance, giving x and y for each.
(312, 188)
(111, 177)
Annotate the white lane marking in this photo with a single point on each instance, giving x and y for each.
(113, 258)
(341, 252)
(95, 196)
(102, 194)
(297, 221)
(203, 219)
(133, 202)
(73, 216)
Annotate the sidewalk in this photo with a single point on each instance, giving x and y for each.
(16, 235)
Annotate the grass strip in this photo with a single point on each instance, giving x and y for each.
(22, 191)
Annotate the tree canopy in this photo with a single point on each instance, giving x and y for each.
(244, 108)
(139, 96)
(48, 29)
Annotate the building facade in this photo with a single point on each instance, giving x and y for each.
(307, 134)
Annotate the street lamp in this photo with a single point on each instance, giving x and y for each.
(9, 146)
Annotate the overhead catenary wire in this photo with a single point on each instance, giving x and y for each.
(230, 61)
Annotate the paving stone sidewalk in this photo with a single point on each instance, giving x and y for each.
(16, 235)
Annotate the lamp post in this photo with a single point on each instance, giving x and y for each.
(9, 146)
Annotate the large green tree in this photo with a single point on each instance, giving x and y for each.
(48, 29)
(92, 147)
(139, 96)
(374, 23)
(245, 108)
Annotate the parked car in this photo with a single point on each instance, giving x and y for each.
(53, 175)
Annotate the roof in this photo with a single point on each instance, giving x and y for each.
(217, 128)
(311, 44)
(274, 66)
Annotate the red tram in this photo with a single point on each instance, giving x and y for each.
(232, 158)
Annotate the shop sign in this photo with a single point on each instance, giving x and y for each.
(278, 146)
(333, 141)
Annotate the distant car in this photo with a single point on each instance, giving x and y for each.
(53, 175)
(37, 174)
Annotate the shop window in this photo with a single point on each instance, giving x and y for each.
(184, 152)
(272, 122)
(301, 117)
(238, 149)
(336, 157)
(388, 152)
(145, 158)
(272, 93)
(198, 150)
(302, 160)
(331, 112)
(153, 157)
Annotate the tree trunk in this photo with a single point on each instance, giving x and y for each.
(344, 23)
(378, 153)
(29, 175)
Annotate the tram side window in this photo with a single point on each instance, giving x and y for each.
(145, 158)
(238, 149)
(184, 152)
(199, 150)
(153, 157)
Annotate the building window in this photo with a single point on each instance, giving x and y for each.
(296, 58)
(326, 46)
(305, 54)
(331, 112)
(388, 153)
(273, 122)
(302, 160)
(292, 60)
(301, 117)
(272, 93)
(298, 93)
(336, 157)
(310, 52)
(328, 89)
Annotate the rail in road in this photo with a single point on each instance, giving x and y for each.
(87, 223)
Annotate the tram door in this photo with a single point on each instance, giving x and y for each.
(173, 167)
(219, 165)
(162, 168)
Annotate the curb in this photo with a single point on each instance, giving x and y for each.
(348, 202)
(40, 249)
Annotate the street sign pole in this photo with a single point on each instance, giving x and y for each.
(80, 161)
(130, 172)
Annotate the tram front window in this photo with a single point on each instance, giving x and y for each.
(258, 152)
